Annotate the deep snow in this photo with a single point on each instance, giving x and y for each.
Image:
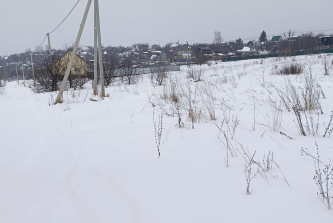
(85, 161)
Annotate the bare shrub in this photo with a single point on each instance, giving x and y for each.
(46, 77)
(326, 66)
(291, 69)
(158, 75)
(299, 120)
(158, 126)
(192, 104)
(128, 72)
(110, 67)
(274, 120)
(323, 178)
(329, 128)
(248, 174)
(304, 98)
(195, 74)
(77, 81)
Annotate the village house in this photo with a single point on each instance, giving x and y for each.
(79, 66)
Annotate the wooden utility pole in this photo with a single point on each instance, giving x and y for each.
(71, 60)
(95, 49)
(101, 72)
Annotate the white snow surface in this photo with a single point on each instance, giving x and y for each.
(86, 162)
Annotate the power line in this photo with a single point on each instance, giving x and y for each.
(65, 18)
(42, 41)
(60, 23)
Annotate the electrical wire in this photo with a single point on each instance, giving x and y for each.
(60, 23)
(42, 42)
(65, 17)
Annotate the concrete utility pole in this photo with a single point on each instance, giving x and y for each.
(32, 66)
(50, 51)
(100, 51)
(18, 82)
(95, 49)
(23, 73)
(71, 60)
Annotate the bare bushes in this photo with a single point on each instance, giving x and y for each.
(47, 76)
(195, 74)
(110, 66)
(329, 128)
(188, 101)
(274, 120)
(326, 67)
(128, 72)
(77, 81)
(261, 168)
(323, 177)
(158, 127)
(291, 69)
(303, 100)
(158, 75)
(305, 97)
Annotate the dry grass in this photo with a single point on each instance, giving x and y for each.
(292, 69)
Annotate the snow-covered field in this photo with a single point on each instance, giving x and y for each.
(87, 161)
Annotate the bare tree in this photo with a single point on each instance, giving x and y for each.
(288, 36)
(217, 38)
(46, 76)
(110, 66)
(158, 74)
(128, 72)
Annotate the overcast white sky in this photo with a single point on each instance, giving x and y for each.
(24, 23)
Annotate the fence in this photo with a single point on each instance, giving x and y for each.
(297, 53)
(147, 70)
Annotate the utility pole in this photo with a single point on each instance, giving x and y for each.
(23, 73)
(32, 66)
(95, 49)
(100, 51)
(50, 51)
(18, 82)
(71, 60)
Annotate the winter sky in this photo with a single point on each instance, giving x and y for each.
(124, 22)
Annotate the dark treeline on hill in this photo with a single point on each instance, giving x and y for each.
(145, 55)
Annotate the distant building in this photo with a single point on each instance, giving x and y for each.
(79, 66)
(326, 40)
(276, 38)
(246, 51)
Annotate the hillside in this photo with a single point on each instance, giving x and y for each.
(230, 151)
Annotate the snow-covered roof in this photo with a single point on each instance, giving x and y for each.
(245, 49)
(105, 52)
(84, 53)
(156, 51)
(174, 45)
(84, 48)
(5, 58)
(153, 57)
(263, 52)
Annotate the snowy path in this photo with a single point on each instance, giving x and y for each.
(44, 179)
